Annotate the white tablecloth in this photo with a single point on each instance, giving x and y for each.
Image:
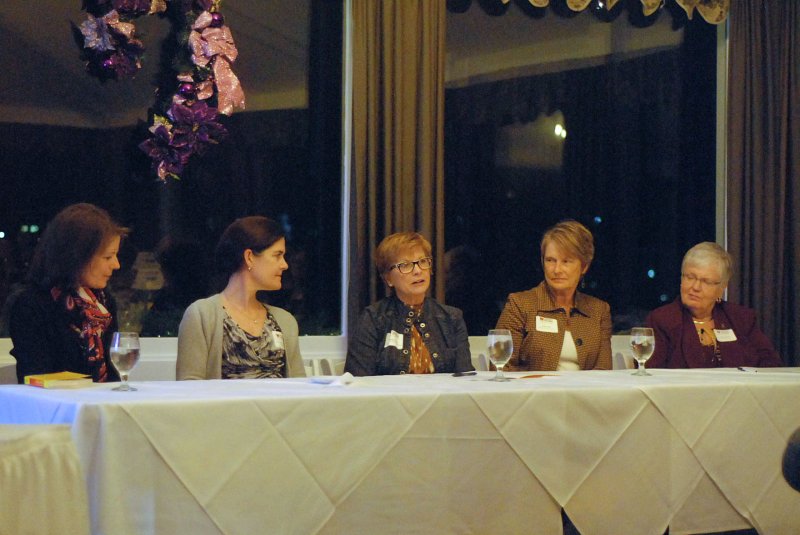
(695, 450)
(42, 489)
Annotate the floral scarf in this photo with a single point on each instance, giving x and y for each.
(89, 318)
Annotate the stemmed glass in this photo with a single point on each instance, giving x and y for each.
(124, 356)
(501, 346)
(642, 345)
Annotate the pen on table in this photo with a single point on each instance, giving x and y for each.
(462, 374)
(746, 369)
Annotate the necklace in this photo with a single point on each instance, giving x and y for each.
(698, 322)
(244, 312)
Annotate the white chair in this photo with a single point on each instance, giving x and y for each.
(338, 366)
(621, 357)
(331, 366)
(477, 348)
(325, 367)
(8, 364)
(316, 350)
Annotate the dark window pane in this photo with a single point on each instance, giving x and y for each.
(270, 163)
(550, 118)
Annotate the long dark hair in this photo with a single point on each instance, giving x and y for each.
(68, 244)
(252, 232)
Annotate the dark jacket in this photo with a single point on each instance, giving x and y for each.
(678, 346)
(442, 328)
(43, 341)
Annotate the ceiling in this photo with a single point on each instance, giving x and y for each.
(44, 81)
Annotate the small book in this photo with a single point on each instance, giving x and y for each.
(59, 380)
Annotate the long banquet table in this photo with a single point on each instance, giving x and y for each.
(697, 451)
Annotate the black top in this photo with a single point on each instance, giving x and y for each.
(42, 338)
(442, 327)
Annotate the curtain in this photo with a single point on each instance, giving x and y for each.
(398, 114)
(764, 166)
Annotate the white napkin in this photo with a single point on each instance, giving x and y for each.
(339, 380)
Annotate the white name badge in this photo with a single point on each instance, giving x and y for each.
(394, 339)
(546, 325)
(277, 339)
(725, 335)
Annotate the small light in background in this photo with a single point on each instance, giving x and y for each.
(560, 131)
(34, 229)
(651, 273)
(663, 298)
(2, 234)
(598, 220)
(24, 229)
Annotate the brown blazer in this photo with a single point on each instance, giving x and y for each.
(589, 322)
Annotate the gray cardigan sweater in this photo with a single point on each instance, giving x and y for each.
(200, 340)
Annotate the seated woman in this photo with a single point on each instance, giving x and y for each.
(64, 319)
(555, 327)
(699, 329)
(233, 335)
(407, 332)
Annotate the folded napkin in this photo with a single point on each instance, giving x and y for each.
(340, 380)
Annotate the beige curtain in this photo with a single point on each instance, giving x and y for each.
(398, 113)
(764, 165)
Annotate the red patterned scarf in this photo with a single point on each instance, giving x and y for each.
(89, 319)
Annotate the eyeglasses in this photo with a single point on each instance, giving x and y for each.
(407, 267)
(691, 278)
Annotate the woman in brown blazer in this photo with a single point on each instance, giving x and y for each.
(554, 326)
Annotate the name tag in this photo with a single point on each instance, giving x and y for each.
(277, 339)
(393, 339)
(546, 325)
(725, 335)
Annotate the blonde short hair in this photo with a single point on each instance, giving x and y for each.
(708, 253)
(393, 245)
(573, 238)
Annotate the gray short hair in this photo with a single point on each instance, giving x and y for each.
(709, 253)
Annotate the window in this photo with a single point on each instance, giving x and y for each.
(552, 118)
(66, 138)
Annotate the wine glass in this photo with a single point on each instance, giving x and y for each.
(124, 356)
(501, 346)
(642, 345)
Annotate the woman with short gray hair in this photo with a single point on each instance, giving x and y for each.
(701, 330)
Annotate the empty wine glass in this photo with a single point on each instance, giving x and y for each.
(124, 356)
(501, 346)
(642, 345)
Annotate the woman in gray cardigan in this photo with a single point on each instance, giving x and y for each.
(233, 335)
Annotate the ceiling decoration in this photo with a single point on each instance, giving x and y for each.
(712, 11)
(196, 82)
(45, 82)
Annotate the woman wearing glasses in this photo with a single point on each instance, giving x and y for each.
(700, 330)
(407, 332)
